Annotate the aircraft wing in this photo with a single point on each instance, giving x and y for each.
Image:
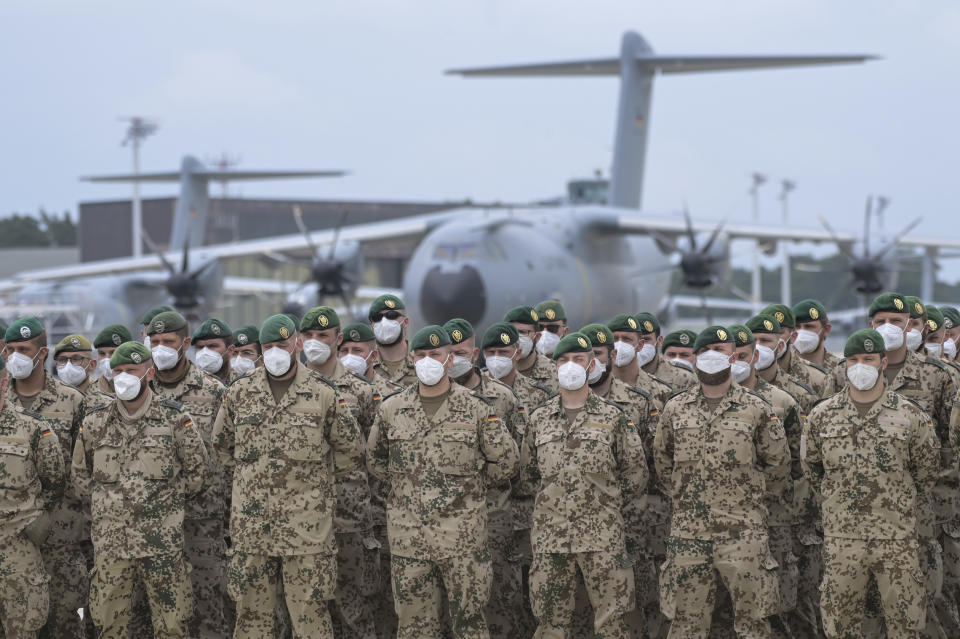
(211, 174)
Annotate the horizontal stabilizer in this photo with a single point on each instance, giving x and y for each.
(213, 175)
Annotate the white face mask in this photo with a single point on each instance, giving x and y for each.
(548, 341)
(460, 366)
(598, 370)
(863, 377)
(646, 354)
(386, 331)
(242, 365)
(806, 342)
(127, 386)
(934, 349)
(711, 362)
(429, 371)
(20, 366)
(526, 346)
(625, 353)
(317, 352)
(103, 368)
(765, 357)
(892, 336)
(740, 371)
(950, 348)
(276, 361)
(146, 341)
(781, 349)
(71, 374)
(572, 376)
(914, 339)
(209, 361)
(676, 361)
(499, 367)
(164, 357)
(355, 363)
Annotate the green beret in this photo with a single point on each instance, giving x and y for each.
(647, 322)
(934, 318)
(458, 329)
(624, 323)
(357, 332)
(951, 316)
(383, 303)
(246, 335)
(864, 342)
(573, 343)
(113, 335)
(712, 335)
(276, 329)
(430, 337)
(599, 334)
(319, 318)
(73, 344)
(783, 314)
(293, 318)
(130, 353)
(550, 310)
(166, 322)
(764, 323)
(499, 335)
(683, 338)
(915, 305)
(742, 335)
(153, 312)
(522, 315)
(213, 329)
(23, 329)
(889, 303)
(809, 310)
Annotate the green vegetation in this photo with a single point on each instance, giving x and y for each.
(46, 229)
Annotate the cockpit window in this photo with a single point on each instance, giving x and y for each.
(456, 252)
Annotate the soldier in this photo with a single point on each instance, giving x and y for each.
(723, 453)
(66, 550)
(137, 459)
(553, 326)
(106, 342)
(870, 452)
(506, 602)
(32, 479)
(441, 447)
(766, 332)
(246, 351)
(626, 332)
(677, 348)
(357, 548)
(814, 376)
(287, 434)
(813, 327)
(532, 363)
(213, 347)
(951, 322)
(358, 353)
(650, 360)
(645, 538)
(390, 323)
(204, 527)
(73, 357)
(145, 321)
(934, 334)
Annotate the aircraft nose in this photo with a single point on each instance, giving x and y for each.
(446, 295)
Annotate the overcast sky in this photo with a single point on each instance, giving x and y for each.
(359, 85)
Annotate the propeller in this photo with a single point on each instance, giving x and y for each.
(698, 263)
(335, 275)
(183, 285)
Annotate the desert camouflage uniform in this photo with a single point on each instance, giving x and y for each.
(543, 372)
(137, 471)
(677, 376)
(67, 552)
(405, 375)
(104, 387)
(206, 518)
(870, 472)
(589, 478)
(830, 361)
(802, 392)
(723, 469)
(816, 377)
(440, 471)
(657, 388)
(32, 479)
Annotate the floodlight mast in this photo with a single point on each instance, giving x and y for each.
(138, 130)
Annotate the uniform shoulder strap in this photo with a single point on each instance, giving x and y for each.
(641, 392)
(483, 398)
(172, 403)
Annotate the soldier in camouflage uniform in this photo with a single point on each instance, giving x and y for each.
(723, 454)
(766, 331)
(213, 347)
(389, 322)
(246, 351)
(287, 434)
(583, 460)
(137, 460)
(871, 453)
(204, 527)
(677, 348)
(650, 360)
(67, 549)
(532, 363)
(441, 447)
(73, 357)
(106, 342)
(553, 326)
(916, 326)
(814, 376)
(626, 367)
(32, 479)
(645, 542)
(358, 562)
(145, 321)
(951, 322)
(813, 327)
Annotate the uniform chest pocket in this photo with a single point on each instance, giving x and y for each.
(155, 458)
(551, 456)
(402, 444)
(735, 443)
(305, 438)
(16, 471)
(837, 448)
(459, 454)
(687, 444)
(107, 461)
(592, 450)
(891, 449)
